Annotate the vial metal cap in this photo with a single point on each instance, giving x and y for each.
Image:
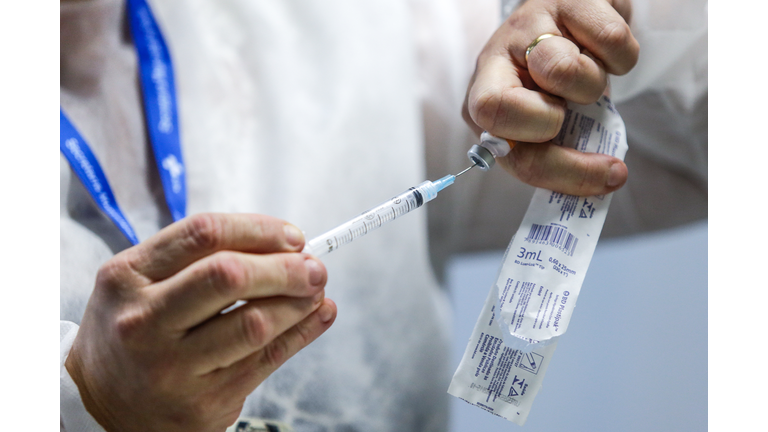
(481, 157)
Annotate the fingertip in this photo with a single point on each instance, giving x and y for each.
(617, 175)
(293, 236)
(560, 68)
(316, 271)
(327, 311)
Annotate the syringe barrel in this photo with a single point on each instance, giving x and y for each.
(368, 221)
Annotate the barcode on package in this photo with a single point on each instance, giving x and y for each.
(554, 235)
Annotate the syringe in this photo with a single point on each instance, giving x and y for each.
(388, 211)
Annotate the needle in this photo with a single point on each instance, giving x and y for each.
(465, 170)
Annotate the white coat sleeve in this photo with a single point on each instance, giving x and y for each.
(72, 414)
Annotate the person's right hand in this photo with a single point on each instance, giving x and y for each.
(155, 353)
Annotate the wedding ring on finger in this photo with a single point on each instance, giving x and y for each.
(536, 42)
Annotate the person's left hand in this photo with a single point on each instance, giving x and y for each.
(522, 98)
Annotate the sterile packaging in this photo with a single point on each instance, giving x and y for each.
(531, 302)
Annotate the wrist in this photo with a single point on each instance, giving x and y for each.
(75, 368)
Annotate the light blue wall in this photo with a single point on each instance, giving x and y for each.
(635, 355)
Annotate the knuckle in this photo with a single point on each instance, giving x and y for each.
(512, 104)
(591, 173)
(502, 108)
(265, 227)
(616, 40)
(132, 323)
(521, 165)
(290, 274)
(256, 328)
(113, 273)
(561, 73)
(525, 164)
(303, 334)
(586, 176)
(204, 231)
(594, 173)
(227, 274)
(484, 107)
(613, 36)
(553, 126)
(276, 353)
(285, 346)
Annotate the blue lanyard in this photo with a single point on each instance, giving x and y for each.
(160, 109)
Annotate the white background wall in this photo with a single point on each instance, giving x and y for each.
(635, 354)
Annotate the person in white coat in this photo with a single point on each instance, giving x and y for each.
(310, 112)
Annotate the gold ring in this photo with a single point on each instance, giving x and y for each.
(536, 42)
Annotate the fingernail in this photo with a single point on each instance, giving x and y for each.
(615, 176)
(293, 235)
(325, 313)
(315, 271)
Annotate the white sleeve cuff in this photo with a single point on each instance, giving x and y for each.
(72, 413)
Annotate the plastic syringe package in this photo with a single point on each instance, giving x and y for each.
(531, 302)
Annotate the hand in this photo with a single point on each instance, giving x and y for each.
(524, 100)
(154, 353)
